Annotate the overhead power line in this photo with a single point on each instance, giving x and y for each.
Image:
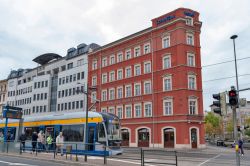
(219, 63)
(226, 78)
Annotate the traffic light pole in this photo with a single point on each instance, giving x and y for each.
(236, 137)
(234, 107)
(237, 80)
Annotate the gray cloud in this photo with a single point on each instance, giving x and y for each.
(32, 27)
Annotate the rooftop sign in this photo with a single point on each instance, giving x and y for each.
(165, 19)
(190, 14)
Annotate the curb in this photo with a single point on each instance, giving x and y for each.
(55, 160)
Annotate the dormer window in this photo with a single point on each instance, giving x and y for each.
(81, 50)
(71, 53)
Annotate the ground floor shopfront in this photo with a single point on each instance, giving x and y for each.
(164, 135)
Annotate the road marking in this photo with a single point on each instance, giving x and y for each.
(131, 162)
(20, 164)
(119, 160)
(209, 159)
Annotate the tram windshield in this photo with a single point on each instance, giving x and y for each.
(113, 129)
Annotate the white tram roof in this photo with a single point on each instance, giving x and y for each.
(56, 116)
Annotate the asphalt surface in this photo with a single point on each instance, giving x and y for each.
(18, 161)
(211, 156)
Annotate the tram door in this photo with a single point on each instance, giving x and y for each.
(49, 131)
(91, 136)
(57, 129)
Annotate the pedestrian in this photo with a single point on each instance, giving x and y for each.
(241, 147)
(22, 139)
(34, 141)
(49, 141)
(43, 141)
(59, 143)
(39, 141)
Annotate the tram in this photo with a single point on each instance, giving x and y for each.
(103, 130)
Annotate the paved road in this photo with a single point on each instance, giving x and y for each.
(17, 161)
(211, 156)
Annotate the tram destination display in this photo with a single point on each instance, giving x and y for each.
(12, 112)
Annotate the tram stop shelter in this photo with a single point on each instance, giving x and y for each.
(10, 112)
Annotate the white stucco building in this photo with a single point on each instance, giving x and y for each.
(53, 85)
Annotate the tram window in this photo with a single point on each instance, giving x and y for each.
(101, 132)
(73, 133)
(29, 131)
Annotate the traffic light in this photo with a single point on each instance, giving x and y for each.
(217, 103)
(233, 97)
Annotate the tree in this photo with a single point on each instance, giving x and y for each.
(247, 123)
(230, 126)
(209, 129)
(213, 124)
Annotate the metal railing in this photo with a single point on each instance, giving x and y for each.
(159, 157)
(148, 156)
(68, 149)
(144, 156)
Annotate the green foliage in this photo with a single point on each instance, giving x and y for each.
(212, 124)
(247, 132)
(212, 119)
(230, 126)
(248, 121)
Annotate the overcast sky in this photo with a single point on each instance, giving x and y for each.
(29, 28)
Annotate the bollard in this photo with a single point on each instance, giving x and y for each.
(20, 148)
(142, 157)
(54, 153)
(7, 146)
(76, 153)
(85, 157)
(105, 157)
(176, 161)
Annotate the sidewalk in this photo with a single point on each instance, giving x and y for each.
(92, 160)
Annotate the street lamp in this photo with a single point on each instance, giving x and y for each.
(235, 61)
(87, 115)
(234, 109)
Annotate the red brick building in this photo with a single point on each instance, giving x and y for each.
(152, 81)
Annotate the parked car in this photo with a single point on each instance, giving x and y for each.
(220, 142)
